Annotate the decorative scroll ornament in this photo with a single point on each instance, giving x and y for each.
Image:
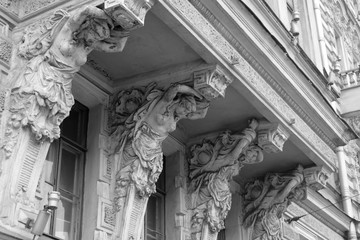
(266, 201)
(141, 119)
(316, 177)
(129, 14)
(48, 56)
(271, 136)
(354, 123)
(211, 82)
(212, 166)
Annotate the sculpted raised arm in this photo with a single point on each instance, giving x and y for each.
(171, 93)
(115, 43)
(91, 12)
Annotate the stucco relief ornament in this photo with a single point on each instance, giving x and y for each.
(266, 201)
(212, 166)
(48, 56)
(135, 145)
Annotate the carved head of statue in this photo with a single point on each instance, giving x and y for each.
(186, 105)
(93, 30)
(128, 101)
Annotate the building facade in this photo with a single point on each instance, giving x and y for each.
(179, 119)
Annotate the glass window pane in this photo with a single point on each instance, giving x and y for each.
(70, 126)
(64, 220)
(49, 165)
(74, 127)
(155, 218)
(67, 171)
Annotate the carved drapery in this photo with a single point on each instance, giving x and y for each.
(212, 166)
(266, 200)
(49, 54)
(140, 119)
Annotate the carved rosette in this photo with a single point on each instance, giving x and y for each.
(211, 82)
(212, 165)
(266, 200)
(129, 14)
(271, 136)
(316, 177)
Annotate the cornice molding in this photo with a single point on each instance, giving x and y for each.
(336, 218)
(225, 45)
(315, 222)
(310, 96)
(163, 77)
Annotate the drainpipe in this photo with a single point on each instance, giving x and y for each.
(345, 192)
(320, 33)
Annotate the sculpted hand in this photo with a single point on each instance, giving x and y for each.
(253, 124)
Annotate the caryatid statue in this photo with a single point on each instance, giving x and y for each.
(143, 119)
(212, 166)
(267, 200)
(45, 61)
(49, 55)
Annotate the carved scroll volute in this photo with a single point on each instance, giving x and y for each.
(129, 14)
(316, 177)
(266, 200)
(211, 82)
(271, 136)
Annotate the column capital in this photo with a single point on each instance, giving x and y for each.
(271, 136)
(316, 177)
(128, 14)
(211, 81)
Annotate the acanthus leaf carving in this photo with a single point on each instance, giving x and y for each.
(266, 200)
(212, 166)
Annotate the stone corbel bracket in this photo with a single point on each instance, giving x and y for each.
(271, 136)
(129, 14)
(316, 178)
(211, 81)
